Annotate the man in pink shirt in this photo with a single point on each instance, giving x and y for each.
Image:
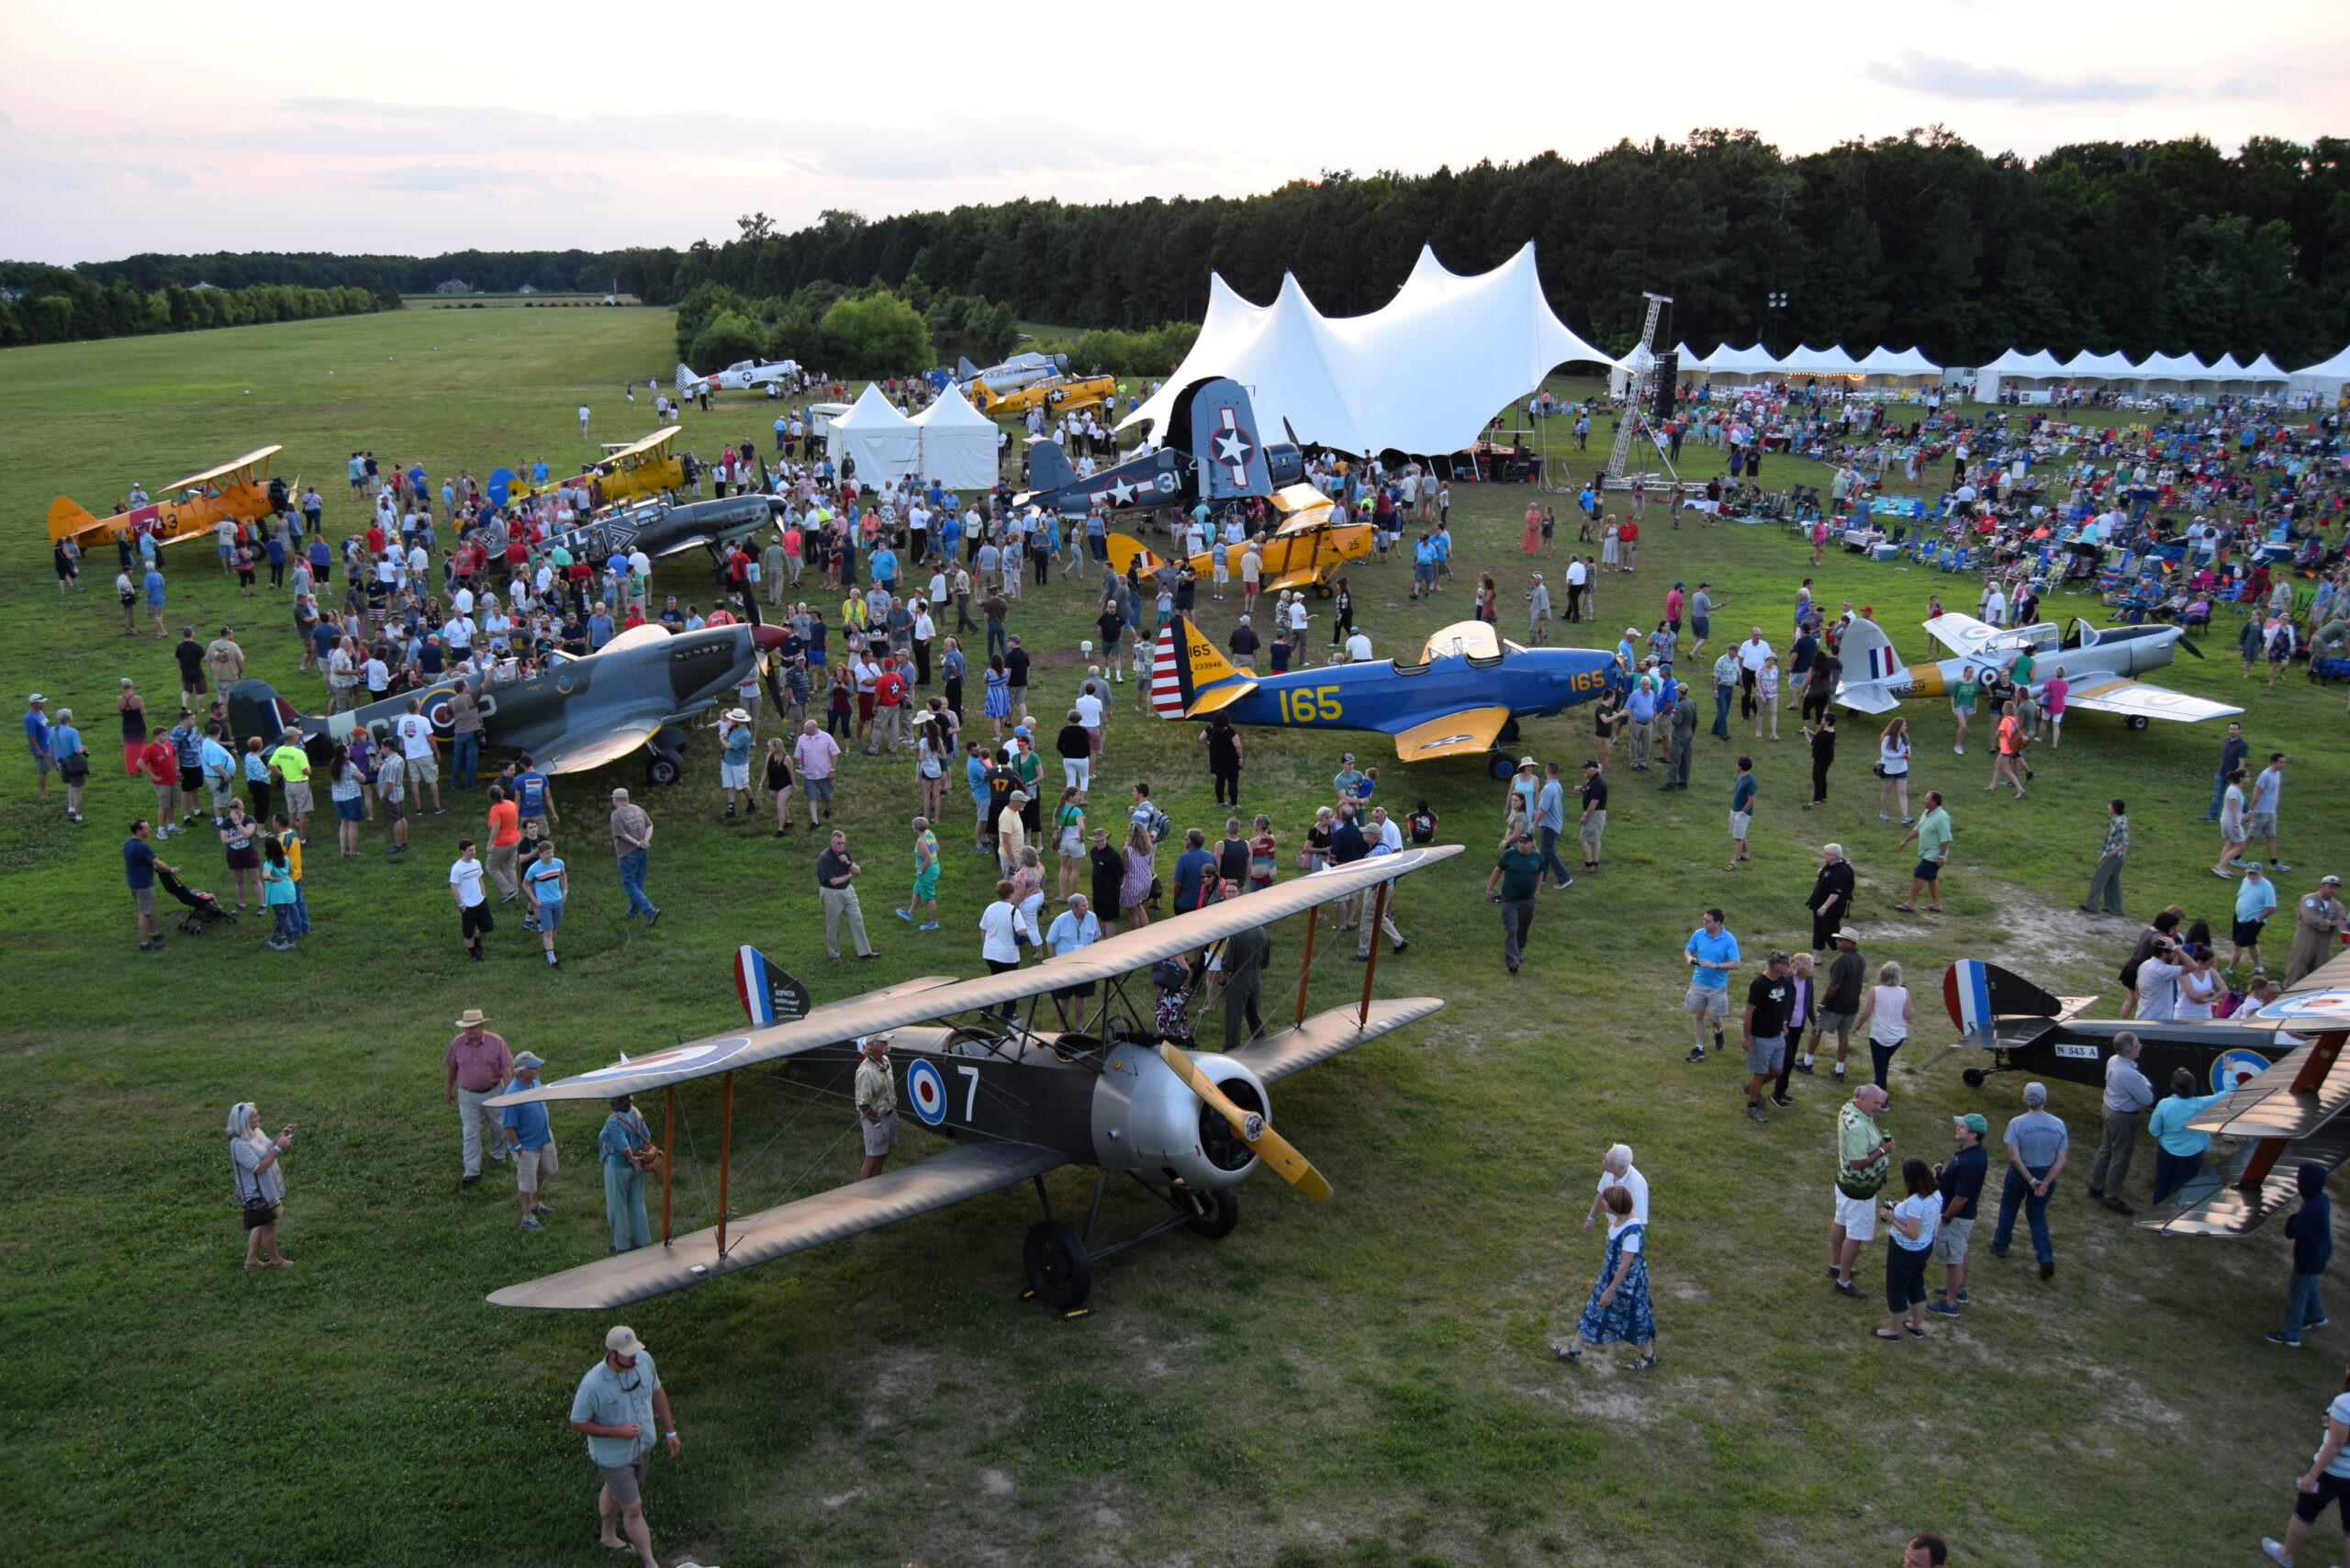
(477, 1064)
(818, 756)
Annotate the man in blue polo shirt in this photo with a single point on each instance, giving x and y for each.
(529, 1137)
(619, 1408)
(1711, 953)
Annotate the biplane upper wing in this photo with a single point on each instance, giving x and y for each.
(1285, 1051)
(967, 1171)
(876, 1012)
(2137, 700)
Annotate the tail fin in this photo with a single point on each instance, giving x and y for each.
(1048, 467)
(1868, 653)
(68, 517)
(1977, 993)
(256, 708)
(1123, 550)
(769, 995)
(966, 371)
(1190, 680)
(686, 377)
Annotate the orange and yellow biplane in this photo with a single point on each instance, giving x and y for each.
(190, 507)
(1307, 551)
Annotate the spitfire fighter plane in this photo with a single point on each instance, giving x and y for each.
(1215, 457)
(658, 528)
(1012, 1100)
(743, 375)
(1467, 691)
(2280, 1069)
(574, 714)
(2097, 662)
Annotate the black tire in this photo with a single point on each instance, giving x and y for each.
(1220, 1214)
(661, 767)
(1323, 590)
(1973, 1077)
(2139, 720)
(1058, 1271)
(1502, 765)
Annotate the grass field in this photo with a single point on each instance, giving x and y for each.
(1365, 1383)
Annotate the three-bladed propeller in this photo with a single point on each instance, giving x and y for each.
(1255, 1131)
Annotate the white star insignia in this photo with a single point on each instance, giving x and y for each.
(1230, 448)
(1120, 492)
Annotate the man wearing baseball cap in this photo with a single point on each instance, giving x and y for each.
(2319, 921)
(619, 1405)
(1962, 1177)
(529, 1136)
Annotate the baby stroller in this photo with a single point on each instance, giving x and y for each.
(203, 909)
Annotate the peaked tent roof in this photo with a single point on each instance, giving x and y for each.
(1422, 374)
(956, 442)
(2265, 369)
(2015, 362)
(2173, 368)
(2326, 371)
(883, 440)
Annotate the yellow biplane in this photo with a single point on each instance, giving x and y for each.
(190, 507)
(1307, 550)
(1062, 395)
(628, 469)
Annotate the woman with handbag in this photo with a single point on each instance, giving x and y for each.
(261, 1186)
(626, 1149)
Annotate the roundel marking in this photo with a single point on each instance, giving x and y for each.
(677, 1056)
(927, 1089)
(2324, 1006)
(2231, 1070)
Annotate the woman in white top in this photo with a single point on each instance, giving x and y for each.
(2200, 986)
(1766, 697)
(1885, 1014)
(1911, 1223)
(1893, 767)
(1002, 926)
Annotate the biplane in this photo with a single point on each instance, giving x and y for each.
(240, 489)
(1464, 694)
(2279, 1067)
(627, 470)
(1012, 1097)
(1306, 550)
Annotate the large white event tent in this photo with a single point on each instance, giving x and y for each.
(2325, 380)
(956, 442)
(1759, 363)
(1422, 374)
(2161, 373)
(884, 443)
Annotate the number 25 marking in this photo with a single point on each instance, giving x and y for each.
(970, 1092)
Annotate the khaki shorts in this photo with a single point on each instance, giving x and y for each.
(880, 1137)
(529, 1164)
(1739, 823)
(143, 901)
(297, 798)
(1949, 1241)
(1702, 999)
(1592, 827)
(167, 797)
(425, 769)
(1857, 1215)
(626, 1482)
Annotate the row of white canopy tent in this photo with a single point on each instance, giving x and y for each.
(1888, 366)
(950, 441)
(2156, 373)
(1422, 374)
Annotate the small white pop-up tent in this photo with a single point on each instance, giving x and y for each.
(882, 440)
(957, 442)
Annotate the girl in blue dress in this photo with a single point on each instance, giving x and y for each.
(999, 702)
(1618, 1309)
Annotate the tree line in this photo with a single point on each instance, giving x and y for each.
(1921, 240)
(57, 305)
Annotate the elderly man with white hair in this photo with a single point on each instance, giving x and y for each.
(1616, 1169)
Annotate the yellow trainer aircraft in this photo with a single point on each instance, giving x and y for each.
(628, 469)
(239, 489)
(1062, 395)
(1307, 551)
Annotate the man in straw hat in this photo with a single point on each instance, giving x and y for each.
(477, 1065)
(620, 1408)
(734, 737)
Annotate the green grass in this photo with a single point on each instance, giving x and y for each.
(1361, 1384)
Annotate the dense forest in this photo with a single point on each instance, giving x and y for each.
(1920, 238)
(57, 305)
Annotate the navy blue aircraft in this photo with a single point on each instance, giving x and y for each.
(1466, 693)
(1220, 459)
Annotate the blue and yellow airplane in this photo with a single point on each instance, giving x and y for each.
(1466, 693)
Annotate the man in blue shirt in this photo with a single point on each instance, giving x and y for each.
(533, 797)
(1422, 566)
(2256, 901)
(1075, 929)
(531, 1139)
(599, 628)
(1642, 705)
(1711, 952)
(618, 1409)
(1961, 1180)
(36, 739)
(1551, 818)
(138, 869)
(1194, 873)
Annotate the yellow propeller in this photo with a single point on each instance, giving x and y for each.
(1270, 1146)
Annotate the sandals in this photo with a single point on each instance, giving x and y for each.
(1568, 1354)
(1643, 1363)
(1881, 1334)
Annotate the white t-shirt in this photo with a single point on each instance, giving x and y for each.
(1088, 711)
(415, 732)
(999, 925)
(1753, 652)
(1888, 1025)
(1633, 1182)
(1616, 1224)
(1357, 647)
(1927, 1212)
(465, 877)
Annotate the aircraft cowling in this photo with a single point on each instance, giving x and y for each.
(1286, 462)
(1148, 1121)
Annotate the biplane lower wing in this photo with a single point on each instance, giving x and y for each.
(1325, 1035)
(2217, 1203)
(967, 1171)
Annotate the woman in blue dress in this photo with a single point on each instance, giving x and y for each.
(999, 703)
(1618, 1309)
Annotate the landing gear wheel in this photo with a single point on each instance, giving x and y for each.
(1214, 1213)
(1323, 590)
(2138, 720)
(662, 768)
(1973, 1077)
(1508, 734)
(1501, 765)
(1058, 1271)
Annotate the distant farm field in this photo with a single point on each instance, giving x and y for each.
(1366, 1384)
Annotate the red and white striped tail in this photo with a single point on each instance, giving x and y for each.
(1166, 675)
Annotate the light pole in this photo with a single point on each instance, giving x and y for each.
(1777, 301)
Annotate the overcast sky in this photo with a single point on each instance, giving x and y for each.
(140, 126)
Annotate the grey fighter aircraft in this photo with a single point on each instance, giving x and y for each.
(1012, 375)
(572, 715)
(660, 529)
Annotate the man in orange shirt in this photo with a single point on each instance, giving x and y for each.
(504, 833)
(160, 760)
